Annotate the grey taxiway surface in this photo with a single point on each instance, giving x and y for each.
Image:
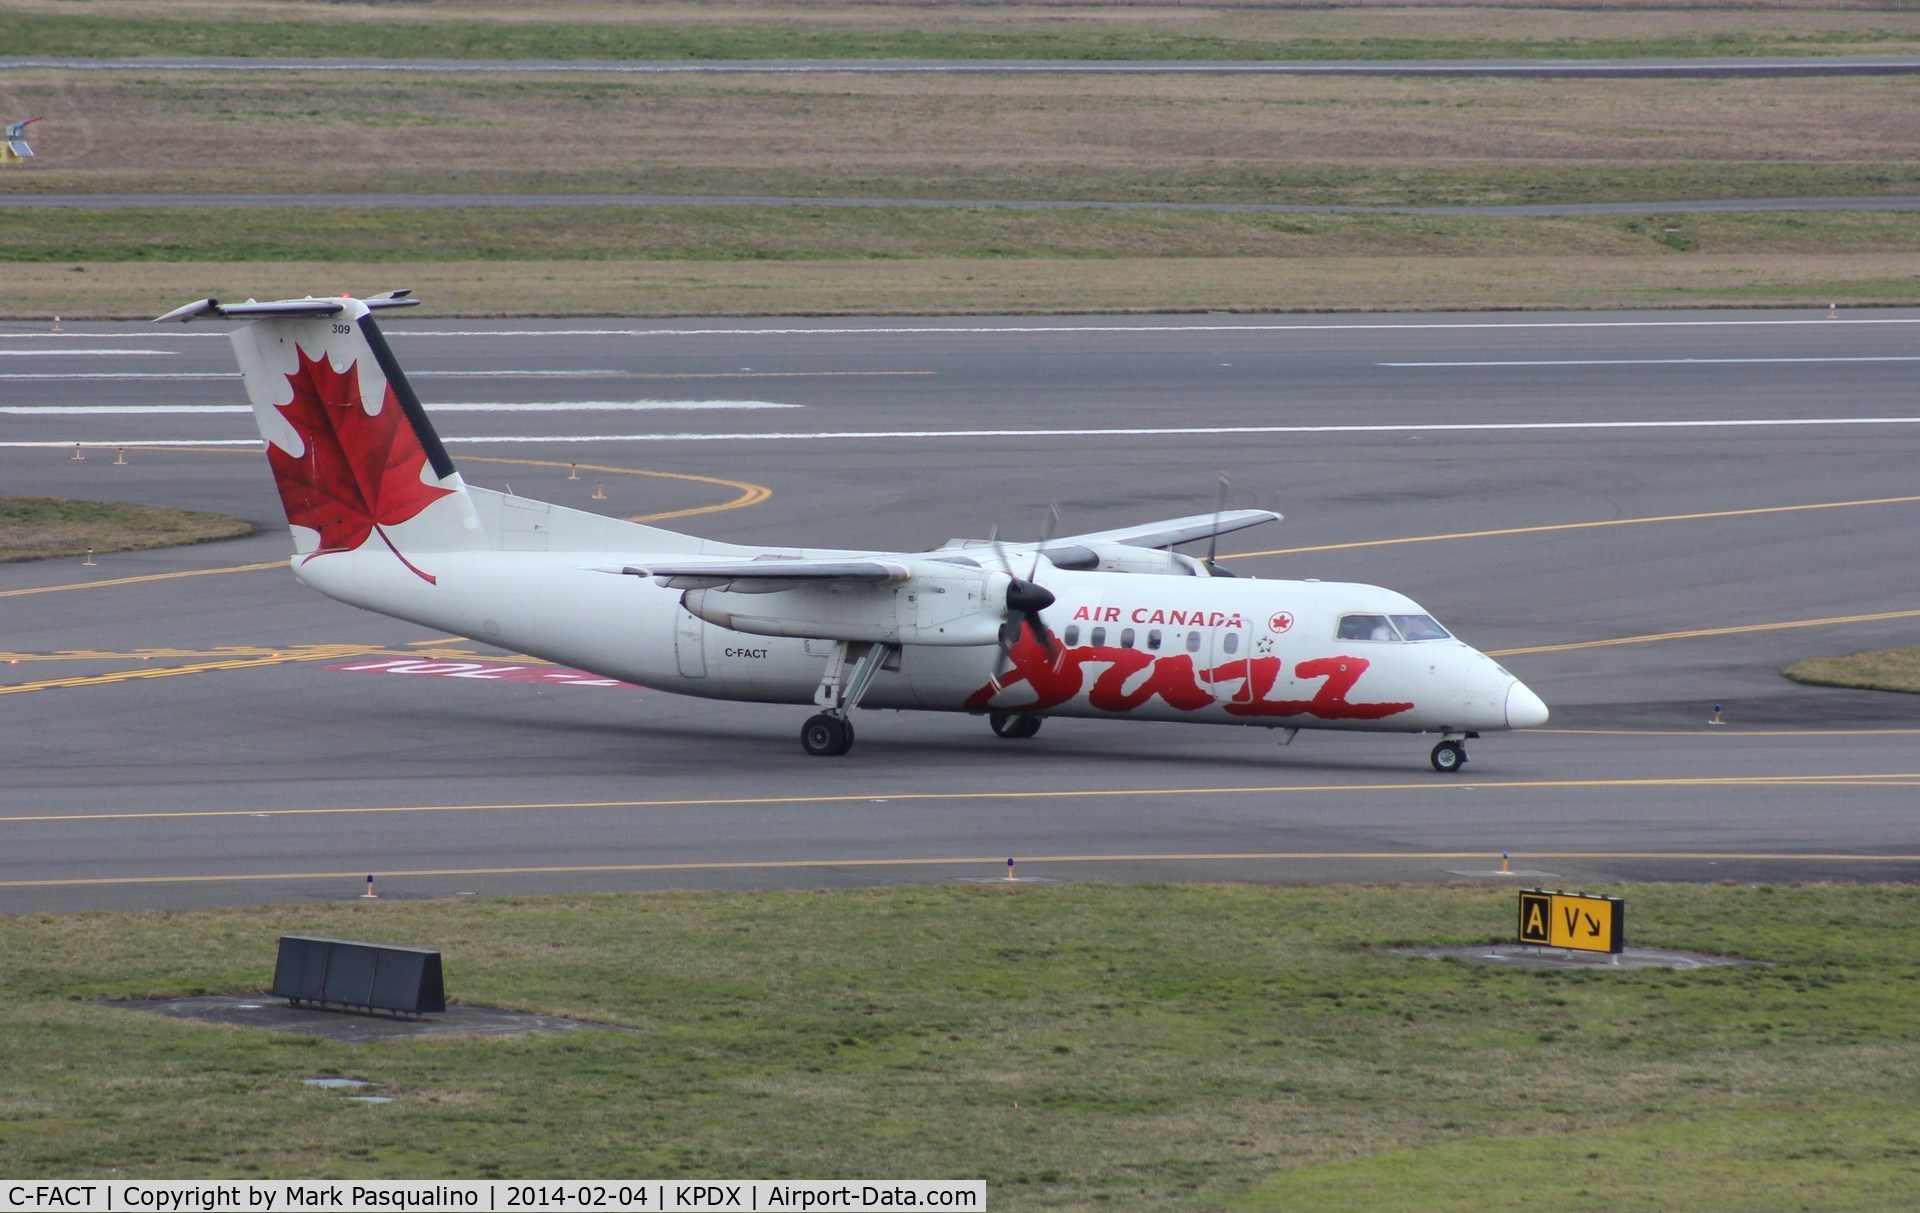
(1643, 514)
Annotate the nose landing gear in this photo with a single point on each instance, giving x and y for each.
(1449, 756)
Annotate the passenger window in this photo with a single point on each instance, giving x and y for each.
(1073, 635)
(1126, 639)
(1366, 627)
(1099, 637)
(1419, 627)
(1193, 642)
(1231, 644)
(1153, 639)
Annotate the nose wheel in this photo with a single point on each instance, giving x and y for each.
(1449, 756)
(825, 736)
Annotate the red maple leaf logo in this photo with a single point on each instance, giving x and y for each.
(359, 472)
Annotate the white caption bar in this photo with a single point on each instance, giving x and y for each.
(492, 1196)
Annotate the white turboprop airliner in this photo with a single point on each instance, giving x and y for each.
(1113, 624)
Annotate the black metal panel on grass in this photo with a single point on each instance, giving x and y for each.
(347, 975)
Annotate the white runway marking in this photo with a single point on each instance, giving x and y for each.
(541, 406)
(400, 331)
(1305, 327)
(81, 353)
(1128, 432)
(525, 374)
(528, 374)
(1658, 361)
(120, 375)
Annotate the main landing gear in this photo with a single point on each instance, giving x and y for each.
(825, 736)
(1012, 725)
(1449, 756)
(850, 671)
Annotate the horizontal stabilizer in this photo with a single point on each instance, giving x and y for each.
(310, 306)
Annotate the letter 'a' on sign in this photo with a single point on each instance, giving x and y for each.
(1536, 910)
(1580, 922)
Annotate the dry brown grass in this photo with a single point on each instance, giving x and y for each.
(953, 285)
(1163, 138)
(38, 528)
(1885, 670)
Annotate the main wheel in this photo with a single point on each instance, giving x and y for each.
(1009, 724)
(1448, 757)
(826, 736)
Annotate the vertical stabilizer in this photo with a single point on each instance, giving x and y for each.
(353, 454)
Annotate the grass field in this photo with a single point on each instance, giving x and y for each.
(954, 286)
(1077, 1046)
(766, 260)
(802, 233)
(1399, 142)
(39, 528)
(764, 30)
(1884, 670)
(1209, 139)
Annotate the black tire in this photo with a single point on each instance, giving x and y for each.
(1012, 725)
(826, 736)
(1448, 757)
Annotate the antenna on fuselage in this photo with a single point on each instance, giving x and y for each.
(1213, 540)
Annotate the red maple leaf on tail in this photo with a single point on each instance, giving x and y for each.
(359, 472)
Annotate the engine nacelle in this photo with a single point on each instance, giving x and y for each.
(962, 610)
(1124, 558)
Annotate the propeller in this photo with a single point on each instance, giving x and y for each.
(1026, 597)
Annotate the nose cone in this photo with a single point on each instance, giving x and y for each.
(1524, 709)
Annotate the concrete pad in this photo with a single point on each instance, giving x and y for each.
(1527, 956)
(274, 1015)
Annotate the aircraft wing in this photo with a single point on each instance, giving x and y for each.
(766, 576)
(1171, 531)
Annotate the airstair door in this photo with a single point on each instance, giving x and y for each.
(689, 644)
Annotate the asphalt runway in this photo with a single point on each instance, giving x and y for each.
(1642, 514)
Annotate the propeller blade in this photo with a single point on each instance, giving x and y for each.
(1046, 537)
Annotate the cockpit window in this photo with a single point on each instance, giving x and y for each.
(1420, 627)
(1366, 627)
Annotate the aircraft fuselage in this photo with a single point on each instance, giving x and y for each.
(1213, 650)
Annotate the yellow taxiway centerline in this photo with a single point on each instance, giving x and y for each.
(1699, 633)
(1580, 526)
(750, 493)
(312, 653)
(1890, 779)
(117, 581)
(991, 862)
